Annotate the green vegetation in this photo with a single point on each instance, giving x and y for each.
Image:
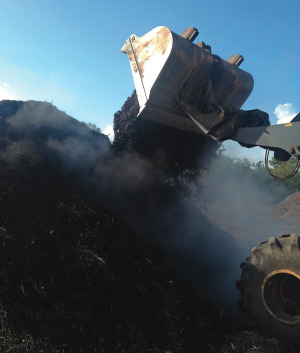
(282, 169)
(94, 127)
(244, 168)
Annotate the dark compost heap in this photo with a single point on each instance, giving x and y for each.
(76, 274)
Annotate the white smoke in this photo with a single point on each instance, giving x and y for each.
(284, 113)
(205, 232)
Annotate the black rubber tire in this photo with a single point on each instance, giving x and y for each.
(270, 287)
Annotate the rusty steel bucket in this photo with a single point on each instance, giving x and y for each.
(167, 67)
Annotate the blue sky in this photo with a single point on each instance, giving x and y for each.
(68, 52)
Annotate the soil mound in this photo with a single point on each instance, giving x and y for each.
(289, 207)
(174, 151)
(74, 276)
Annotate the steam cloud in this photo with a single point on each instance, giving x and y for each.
(206, 232)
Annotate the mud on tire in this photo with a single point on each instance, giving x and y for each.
(270, 287)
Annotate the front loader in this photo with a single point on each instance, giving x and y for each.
(183, 85)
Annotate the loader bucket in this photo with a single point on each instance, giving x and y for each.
(167, 67)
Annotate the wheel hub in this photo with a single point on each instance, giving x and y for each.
(281, 296)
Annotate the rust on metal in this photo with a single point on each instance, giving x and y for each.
(144, 51)
(278, 299)
(167, 67)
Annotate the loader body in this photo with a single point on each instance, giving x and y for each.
(182, 85)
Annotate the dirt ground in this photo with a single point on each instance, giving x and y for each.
(75, 275)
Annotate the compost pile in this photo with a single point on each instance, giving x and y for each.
(76, 274)
(289, 208)
(172, 150)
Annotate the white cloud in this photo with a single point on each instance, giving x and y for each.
(284, 113)
(6, 92)
(109, 131)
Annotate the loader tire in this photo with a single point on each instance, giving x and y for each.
(270, 287)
